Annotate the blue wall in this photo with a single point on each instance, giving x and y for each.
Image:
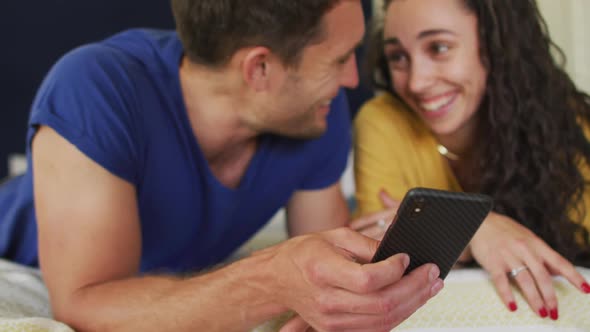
(34, 34)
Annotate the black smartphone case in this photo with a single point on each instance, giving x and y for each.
(434, 226)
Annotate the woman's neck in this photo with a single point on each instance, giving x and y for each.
(462, 142)
(461, 146)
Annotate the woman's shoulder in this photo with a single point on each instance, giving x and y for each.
(386, 111)
(383, 104)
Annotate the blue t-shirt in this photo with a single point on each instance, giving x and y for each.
(119, 102)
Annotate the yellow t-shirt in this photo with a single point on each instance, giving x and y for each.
(395, 151)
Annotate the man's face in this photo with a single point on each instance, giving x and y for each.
(299, 105)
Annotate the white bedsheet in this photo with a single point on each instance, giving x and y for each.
(24, 303)
(467, 303)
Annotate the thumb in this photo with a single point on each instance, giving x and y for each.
(295, 324)
(387, 200)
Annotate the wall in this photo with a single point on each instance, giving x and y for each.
(35, 34)
(568, 27)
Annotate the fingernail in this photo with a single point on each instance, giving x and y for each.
(543, 312)
(406, 261)
(512, 306)
(554, 314)
(438, 285)
(586, 288)
(434, 273)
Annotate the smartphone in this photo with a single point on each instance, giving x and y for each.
(434, 226)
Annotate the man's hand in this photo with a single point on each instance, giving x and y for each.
(323, 278)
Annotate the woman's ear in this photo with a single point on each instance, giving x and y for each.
(257, 66)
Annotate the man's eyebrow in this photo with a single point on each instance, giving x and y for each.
(352, 50)
(421, 35)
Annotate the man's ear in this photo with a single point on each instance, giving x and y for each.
(257, 66)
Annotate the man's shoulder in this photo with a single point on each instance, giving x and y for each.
(144, 49)
(156, 50)
(124, 57)
(141, 39)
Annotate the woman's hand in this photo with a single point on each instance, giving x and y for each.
(375, 224)
(511, 252)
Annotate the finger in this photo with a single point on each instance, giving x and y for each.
(502, 284)
(414, 290)
(357, 323)
(420, 279)
(295, 324)
(542, 278)
(525, 282)
(497, 268)
(375, 232)
(527, 285)
(426, 293)
(362, 247)
(372, 219)
(558, 265)
(358, 278)
(399, 299)
(387, 200)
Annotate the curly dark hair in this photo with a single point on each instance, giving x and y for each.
(531, 142)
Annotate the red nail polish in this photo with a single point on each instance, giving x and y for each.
(586, 288)
(512, 306)
(553, 314)
(543, 312)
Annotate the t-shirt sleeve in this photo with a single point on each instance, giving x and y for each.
(88, 98)
(380, 146)
(332, 149)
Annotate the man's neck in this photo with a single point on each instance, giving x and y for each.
(214, 105)
(214, 102)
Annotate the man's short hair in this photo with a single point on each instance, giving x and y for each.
(213, 30)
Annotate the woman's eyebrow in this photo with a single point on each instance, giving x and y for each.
(431, 32)
(421, 35)
(391, 41)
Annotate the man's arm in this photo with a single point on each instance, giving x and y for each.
(90, 248)
(317, 210)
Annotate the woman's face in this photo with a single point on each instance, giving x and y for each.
(432, 51)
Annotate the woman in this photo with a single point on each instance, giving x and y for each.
(475, 102)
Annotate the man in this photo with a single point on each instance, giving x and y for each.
(156, 153)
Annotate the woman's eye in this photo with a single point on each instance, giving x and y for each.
(397, 59)
(439, 48)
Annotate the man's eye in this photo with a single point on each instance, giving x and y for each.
(344, 60)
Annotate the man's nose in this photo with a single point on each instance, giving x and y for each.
(350, 75)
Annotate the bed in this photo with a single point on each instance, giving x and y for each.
(467, 303)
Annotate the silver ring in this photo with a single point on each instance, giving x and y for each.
(514, 272)
(381, 223)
